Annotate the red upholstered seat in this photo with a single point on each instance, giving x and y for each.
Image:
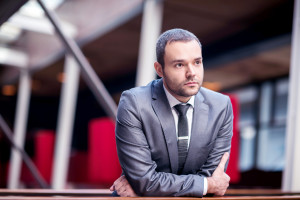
(44, 148)
(233, 165)
(42, 158)
(103, 162)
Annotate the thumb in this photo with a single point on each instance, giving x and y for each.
(223, 161)
(112, 188)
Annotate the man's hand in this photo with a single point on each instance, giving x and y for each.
(122, 187)
(219, 181)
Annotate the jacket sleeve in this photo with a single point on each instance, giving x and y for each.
(222, 143)
(135, 157)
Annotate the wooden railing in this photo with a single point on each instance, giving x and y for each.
(104, 194)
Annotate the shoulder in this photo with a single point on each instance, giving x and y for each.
(218, 104)
(212, 95)
(143, 92)
(140, 92)
(132, 101)
(213, 98)
(137, 96)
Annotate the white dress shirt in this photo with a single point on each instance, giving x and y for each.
(173, 102)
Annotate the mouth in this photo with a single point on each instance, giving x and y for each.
(191, 83)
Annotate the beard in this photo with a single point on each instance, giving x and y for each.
(186, 92)
(181, 89)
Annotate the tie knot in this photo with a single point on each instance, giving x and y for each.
(182, 109)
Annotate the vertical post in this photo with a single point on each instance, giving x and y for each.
(65, 123)
(19, 128)
(291, 174)
(263, 135)
(151, 28)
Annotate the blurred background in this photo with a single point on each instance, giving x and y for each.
(246, 51)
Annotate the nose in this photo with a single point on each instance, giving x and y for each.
(190, 71)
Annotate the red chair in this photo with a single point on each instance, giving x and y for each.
(103, 162)
(44, 148)
(42, 158)
(233, 165)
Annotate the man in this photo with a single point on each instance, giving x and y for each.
(170, 150)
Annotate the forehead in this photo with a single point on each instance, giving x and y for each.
(183, 49)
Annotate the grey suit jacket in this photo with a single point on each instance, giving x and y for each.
(147, 143)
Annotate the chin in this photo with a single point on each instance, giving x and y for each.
(194, 90)
(189, 94)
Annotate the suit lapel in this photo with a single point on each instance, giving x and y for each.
(200, 119)
(162, 109)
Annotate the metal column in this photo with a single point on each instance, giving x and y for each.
(96, 86)
(291, 174)
(19, 128)
(65, 123)
(264, 125)
(151, 28)
(88, 74)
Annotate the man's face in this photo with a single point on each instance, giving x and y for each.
(183, 70)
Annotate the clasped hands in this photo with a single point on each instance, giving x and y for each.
(122, 187)
(217, 184)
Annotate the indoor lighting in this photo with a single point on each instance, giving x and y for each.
(9, 33)
(215, 86)
(60, 77)
(9, 90)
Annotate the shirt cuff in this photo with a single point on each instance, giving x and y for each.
(205, 186)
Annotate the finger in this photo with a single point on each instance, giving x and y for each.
(119, 186)
(122, 192)
(119, 179)
(128, 188)
(122, 183)
(112, 188)
(130, 193)
(223, 161)
(134, 195)
(227, 177)
(125, 181)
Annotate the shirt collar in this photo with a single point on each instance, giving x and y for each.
(173, 101)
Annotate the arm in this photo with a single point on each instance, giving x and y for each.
(214, 169)
(222, 143)
(217, 183)
(122, 187)
(135, 157)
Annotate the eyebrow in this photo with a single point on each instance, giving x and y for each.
(176, 61)
(182, 60)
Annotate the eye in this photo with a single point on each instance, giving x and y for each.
(179, 65)
(198, 62)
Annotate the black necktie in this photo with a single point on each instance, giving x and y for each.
(183, 135)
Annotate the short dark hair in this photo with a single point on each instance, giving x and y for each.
(172, 35)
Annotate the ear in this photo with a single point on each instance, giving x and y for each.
(158, 69)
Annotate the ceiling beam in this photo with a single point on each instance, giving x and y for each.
(247, 51)
(8, 8)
